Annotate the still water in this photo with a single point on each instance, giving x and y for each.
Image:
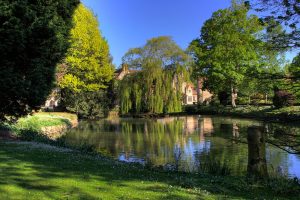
(188, 141)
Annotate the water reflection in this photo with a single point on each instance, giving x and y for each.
(184, 142)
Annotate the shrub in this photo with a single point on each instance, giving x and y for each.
(214, 101)
(190, 109)
(257, 99)
(223, 97)
(283, 98)
(243, 100)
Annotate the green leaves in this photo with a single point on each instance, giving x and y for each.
(88, 60)
(34, 38)
(156, 86)
(226, 50)
(87, 69)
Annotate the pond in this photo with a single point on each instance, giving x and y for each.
(188, 142)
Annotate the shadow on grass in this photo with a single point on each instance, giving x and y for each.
(55, 173)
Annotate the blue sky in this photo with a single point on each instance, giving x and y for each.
(130, 23)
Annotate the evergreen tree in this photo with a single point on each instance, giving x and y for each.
(33, 39)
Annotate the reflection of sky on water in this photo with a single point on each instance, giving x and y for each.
(191, 152)
(131, 159)
(191, 147)
(282, 162)
(294, 165)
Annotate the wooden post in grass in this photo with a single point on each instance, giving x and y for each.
(257, 165)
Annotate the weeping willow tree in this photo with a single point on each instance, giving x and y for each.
(161, 67)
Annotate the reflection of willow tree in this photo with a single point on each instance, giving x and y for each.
(154, 140)
(159, 140)
(143, 138)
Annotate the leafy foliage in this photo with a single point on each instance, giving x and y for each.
(283, 99)
(227, 49)
(294, 71)
(87, 70)
(34, 38)
(91, 105)
(284, 12)
(155, 86)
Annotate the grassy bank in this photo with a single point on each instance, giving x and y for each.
(37, 171)
(35, 127)
(268, 113)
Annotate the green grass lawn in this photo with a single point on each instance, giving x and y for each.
(30, 127)
(268, 113)
(37, 171)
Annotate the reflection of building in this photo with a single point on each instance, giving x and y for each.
(204, 125)
(190, 124)
(165, 120)
(208, 127)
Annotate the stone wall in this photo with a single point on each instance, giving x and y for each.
(54, 132)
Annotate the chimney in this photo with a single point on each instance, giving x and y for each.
(124, 67)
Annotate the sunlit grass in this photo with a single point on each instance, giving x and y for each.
(36, 171)
(260, 112)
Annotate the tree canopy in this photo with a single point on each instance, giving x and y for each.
(285, 13)
(87, 69)
(227, 49)
(155, 86)
(33, 39)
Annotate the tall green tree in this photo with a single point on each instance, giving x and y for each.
(155, 87)
(227, 49)
(87, 68)
(33, 39)
(284, 12)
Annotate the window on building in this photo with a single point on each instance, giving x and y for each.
(190, 99)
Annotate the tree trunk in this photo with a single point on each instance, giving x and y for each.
(257, 165)
(199, 91)
(266, 98)
(233, 96)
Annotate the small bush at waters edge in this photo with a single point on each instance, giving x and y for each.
(190, 109)
(283, 99)
(30, 128)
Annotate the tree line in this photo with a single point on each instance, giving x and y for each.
(237, 54)
(58, 44)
